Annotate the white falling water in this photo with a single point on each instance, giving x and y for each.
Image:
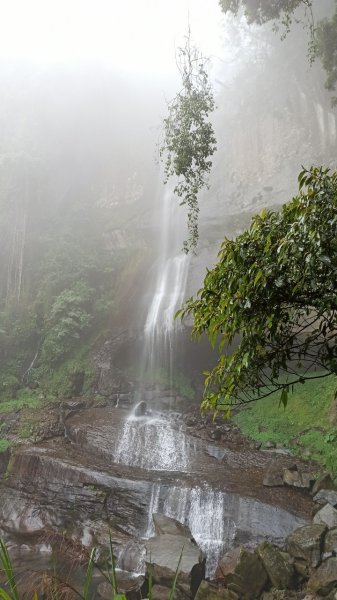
(152, 443)
(215, 518)
(170, 287)
(203, 510)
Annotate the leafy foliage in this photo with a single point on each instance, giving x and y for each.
(260, 12)
(189, 139)
(68, 319)
(326, 49)
(322, 35)
(270, 304)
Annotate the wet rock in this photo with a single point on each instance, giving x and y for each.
(162, 556)
(326, 515)
(275, 594)
(164, 524)
(198, 574)
(273, 475)
(140, 409)
(306, 543)
(160, 592)
(326, 497)
(211, 591)
(242, 572)
(4, 461)
(296, 478)
(330, 542)
(302, 568)
(324, 579)
(130, 586)
(279, 571)
(325, 482)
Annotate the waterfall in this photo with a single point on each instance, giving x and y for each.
(203, 510)
(152, 443)
(218, 520)
(170, 287)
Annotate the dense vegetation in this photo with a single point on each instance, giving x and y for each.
(272, 295)
(65, 204)
(322, 39)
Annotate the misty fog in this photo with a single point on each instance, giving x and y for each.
(100, 385)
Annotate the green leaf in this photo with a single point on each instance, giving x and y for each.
(284, 398)
(258, 277)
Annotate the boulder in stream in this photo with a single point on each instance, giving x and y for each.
(164, 524)
(242, 572)
(330, 542)
(296, 478)
(327, 515)
(162, 556)
(280, 571)
(326, 497)
(324, 579)
(306, 543)
(212, 591)
(324, 482)
(273, 475)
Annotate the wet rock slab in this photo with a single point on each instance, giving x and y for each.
(77, 485)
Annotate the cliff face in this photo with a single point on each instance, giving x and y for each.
(273, 116)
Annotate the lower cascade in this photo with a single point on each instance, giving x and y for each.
(152, 442)
(218, 520)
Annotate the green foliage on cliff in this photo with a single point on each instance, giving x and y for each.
(322, 40)
(269, 304)
(69, 279)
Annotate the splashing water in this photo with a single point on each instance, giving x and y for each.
(152, 443)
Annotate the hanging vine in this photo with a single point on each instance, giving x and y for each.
(188, 139)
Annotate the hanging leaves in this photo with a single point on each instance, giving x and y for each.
(188, 139)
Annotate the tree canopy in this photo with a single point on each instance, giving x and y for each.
(269, 305)
(322, 42)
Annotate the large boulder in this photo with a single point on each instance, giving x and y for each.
(164, 524)
(275, 594)
(211, 591)
(129, 586)
(162, 557)
(273, 475)
(242, 572)
(306, 543)
(324, 579)
(326, 497)
(327, 515)
(296, 478)
(330, 542)
(160, 592)
(279, 570)
(324, 482)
